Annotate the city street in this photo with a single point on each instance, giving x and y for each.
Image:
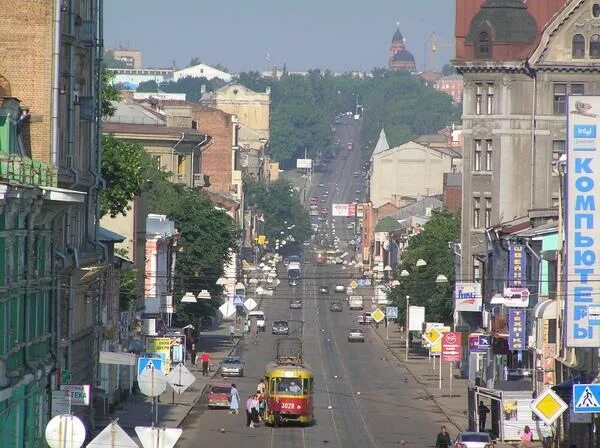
(363, 396)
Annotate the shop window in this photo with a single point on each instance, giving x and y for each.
(578, 46)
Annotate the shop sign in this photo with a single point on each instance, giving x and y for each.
(517, 323)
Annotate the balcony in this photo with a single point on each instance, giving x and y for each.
(16, 169)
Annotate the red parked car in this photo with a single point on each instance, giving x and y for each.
(350, 146)
(218, 395)
(324, 211)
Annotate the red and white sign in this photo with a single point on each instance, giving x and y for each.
(345, 210)
(451, 347)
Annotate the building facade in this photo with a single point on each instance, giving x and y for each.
(400, 57)
(56, 268)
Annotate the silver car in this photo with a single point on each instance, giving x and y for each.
(232, 366)
(469, 439)
(296, 304)
(356, 335)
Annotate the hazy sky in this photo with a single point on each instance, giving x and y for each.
(336, 34)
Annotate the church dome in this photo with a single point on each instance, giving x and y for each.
(398, 37)
(507, 21)
(404, 56)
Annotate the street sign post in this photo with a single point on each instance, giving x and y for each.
(451, 352)
(238, 299)
(152, 437)
(65, 431)
(391, 312)
(586, 398)
(180, 378)
(548, 406)
(432, 335)
(145, 363)
(152, 382)
(112, 436)
(378, 315)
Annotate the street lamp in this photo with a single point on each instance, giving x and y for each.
(441, 278)
(406, 330)
(204, 295)
(420, 262)
(404, 273)
(188, 297)
(221, 281)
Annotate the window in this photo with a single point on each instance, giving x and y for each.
(157, 160)
(490, 99)
(483, 47)
(577, 89)
(488, 155)
(476, 213)
(180, 164)
(478, 98)
(558, 149)
(477, 156)
(578, 46)
(595, 46)
(488, 212)
(560, 99)
(596, 9)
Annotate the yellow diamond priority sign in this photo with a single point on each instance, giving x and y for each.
(433, 335)
(353, 284)
(548, 406)
(378, 315)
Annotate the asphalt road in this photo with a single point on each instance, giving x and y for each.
(363, 396)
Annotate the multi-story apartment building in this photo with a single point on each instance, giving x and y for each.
(53, 264)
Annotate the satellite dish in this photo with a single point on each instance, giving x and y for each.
(65, 431)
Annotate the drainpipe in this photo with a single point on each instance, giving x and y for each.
(54, 158)
(173, 151)
(532, 73)
(71, 104)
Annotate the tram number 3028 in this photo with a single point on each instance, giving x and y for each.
(288, 406)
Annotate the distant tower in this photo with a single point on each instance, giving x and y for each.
(400, 57)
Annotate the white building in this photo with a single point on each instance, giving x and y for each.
(201, 71)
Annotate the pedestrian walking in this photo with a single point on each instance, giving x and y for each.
(482, 411)
(231, 332)
(526, 437)
(249, 422)
(276, 410)
(205, 360)
(443, 439)
(234, 403)
(246, 329)
(261, 386)
(255, 408)
(193, 354)
(547, 435)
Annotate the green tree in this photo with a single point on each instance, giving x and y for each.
(431, 245)
(284, 214)
(124, 168)
(110, 93)
(208, 235)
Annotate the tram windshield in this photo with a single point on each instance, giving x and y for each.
(292, 386)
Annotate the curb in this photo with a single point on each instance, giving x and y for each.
(414, 376)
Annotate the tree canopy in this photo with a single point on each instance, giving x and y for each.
(282, 210)
(304, 107)
(431, 245)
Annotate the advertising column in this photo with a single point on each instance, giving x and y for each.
(582, 218)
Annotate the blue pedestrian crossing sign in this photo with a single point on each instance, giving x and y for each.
(361, 282)
(586, 398)
(391, 312)
(149, 363)
(238, 299)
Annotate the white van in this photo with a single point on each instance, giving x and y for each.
(260, 319)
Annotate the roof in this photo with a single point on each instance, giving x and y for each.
(132, 113)
(419, 208)
(404, 55)
(398, 37)
(507, 21)
(381, 145)
(387, 224)
(152, 129)
(544, 229)
(106, 235)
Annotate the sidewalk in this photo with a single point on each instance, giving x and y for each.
(173, 408)
(421, 369)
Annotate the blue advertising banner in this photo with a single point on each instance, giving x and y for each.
(517, 320)
(582, 218)
(516, 265)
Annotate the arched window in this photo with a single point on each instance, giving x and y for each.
(596, 9)
(483, 45)
(595, 46)
(578, 50)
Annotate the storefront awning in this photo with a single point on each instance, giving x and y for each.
(545, 309)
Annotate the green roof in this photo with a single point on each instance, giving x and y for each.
(507, 21)
(387, 224)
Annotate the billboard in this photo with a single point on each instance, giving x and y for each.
(451, 346)
(517, 264)
(467, 296)
(304, 163)
(345, 210)
(416, 318)
(582, 220)
(517, 323)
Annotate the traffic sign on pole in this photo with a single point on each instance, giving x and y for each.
(548, 406)
(113, 436)
(180, 378)
(152, 382)
(391, 312)
(65, 431)
(152, 437)
(378, 315)
(145, 363)
(432, 335)
(586, 398)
